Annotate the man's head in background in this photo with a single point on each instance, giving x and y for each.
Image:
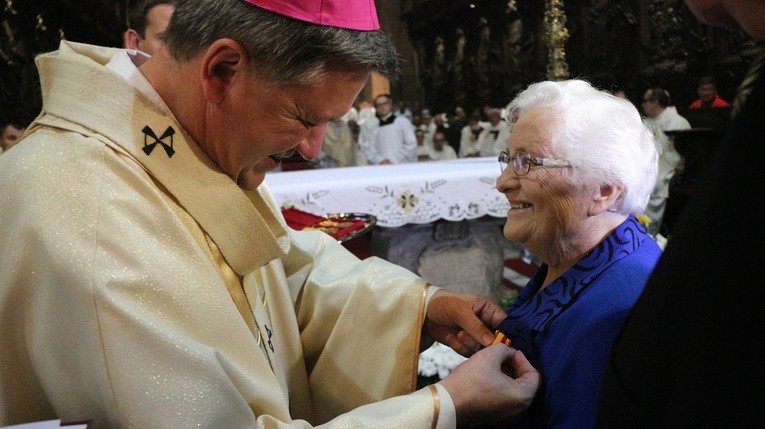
(495, 116)
(419, 135)
(655, 100)
(10, 133)
(383, 105)
(707, 90)
(439, 139)
(147, 21)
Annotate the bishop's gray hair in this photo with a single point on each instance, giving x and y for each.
(284, 51)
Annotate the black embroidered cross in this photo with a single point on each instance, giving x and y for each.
(270, 334)
(148, 147)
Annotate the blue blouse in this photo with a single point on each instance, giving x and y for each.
(568, 328)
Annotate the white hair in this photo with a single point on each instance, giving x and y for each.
(602, 136)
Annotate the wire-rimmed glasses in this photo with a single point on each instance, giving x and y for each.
(522, 162)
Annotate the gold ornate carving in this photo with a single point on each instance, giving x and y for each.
(556, 35)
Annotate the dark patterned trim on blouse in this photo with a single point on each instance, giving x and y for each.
(534, 311)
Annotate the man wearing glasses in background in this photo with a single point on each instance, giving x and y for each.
(691, 352)
(662, 117)
(393, 141)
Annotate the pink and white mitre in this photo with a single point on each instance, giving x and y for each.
(350, 14)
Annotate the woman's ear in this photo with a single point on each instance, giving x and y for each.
(604, 198)
(222, 63)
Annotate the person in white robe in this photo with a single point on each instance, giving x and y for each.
(337, 148)
(493, 139)
(367, 123)
(423, 149)
(469, 138)
(441, 151)
(147, 278)
(662, 117)
(428, 125)
(393, 140)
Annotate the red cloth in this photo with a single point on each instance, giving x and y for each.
(717, 102)
(338, 228)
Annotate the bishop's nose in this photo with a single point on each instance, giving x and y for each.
(310, 147)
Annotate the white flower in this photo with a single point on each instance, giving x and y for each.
(427, 368)
(439, 359)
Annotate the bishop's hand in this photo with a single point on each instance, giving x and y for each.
(494, 386)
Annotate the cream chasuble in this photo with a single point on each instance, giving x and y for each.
(147, 290)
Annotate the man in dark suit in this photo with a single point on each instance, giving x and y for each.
(692, 353)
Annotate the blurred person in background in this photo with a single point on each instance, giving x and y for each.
(708, 97)
(691, 352)
(147, 21)
(11, 133)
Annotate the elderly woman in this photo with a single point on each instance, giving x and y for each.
(579, 165)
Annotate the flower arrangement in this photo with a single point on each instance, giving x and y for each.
(437, 362)
(652, 227)
(645, 220)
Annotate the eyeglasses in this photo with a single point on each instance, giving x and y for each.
(382, 103)
(522, 162)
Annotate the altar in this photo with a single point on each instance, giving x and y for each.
(397, 195)
(441, 219)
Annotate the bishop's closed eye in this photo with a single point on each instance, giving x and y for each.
(307, 124)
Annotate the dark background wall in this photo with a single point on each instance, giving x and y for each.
(612, 43)
(31, 27)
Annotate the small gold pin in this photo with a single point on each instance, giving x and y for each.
(499, 337)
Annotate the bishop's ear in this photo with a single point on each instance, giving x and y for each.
(224, 61)
(604, 198)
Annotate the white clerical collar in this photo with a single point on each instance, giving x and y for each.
(126, 64)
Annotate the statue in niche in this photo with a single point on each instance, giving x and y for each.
(667, 29)
(516, 52)
(488, 67)
(481, 69)
(440, 72)
(460, 65)
(611, 29)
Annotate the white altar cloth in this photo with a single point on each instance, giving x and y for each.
(396, 194)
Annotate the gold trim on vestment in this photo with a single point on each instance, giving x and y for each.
(436, 405)
(418, 336)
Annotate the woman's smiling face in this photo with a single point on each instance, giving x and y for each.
(545, 208)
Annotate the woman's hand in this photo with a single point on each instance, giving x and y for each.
(462, 321)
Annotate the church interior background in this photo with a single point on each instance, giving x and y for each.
(455, 53)
(466, 53)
